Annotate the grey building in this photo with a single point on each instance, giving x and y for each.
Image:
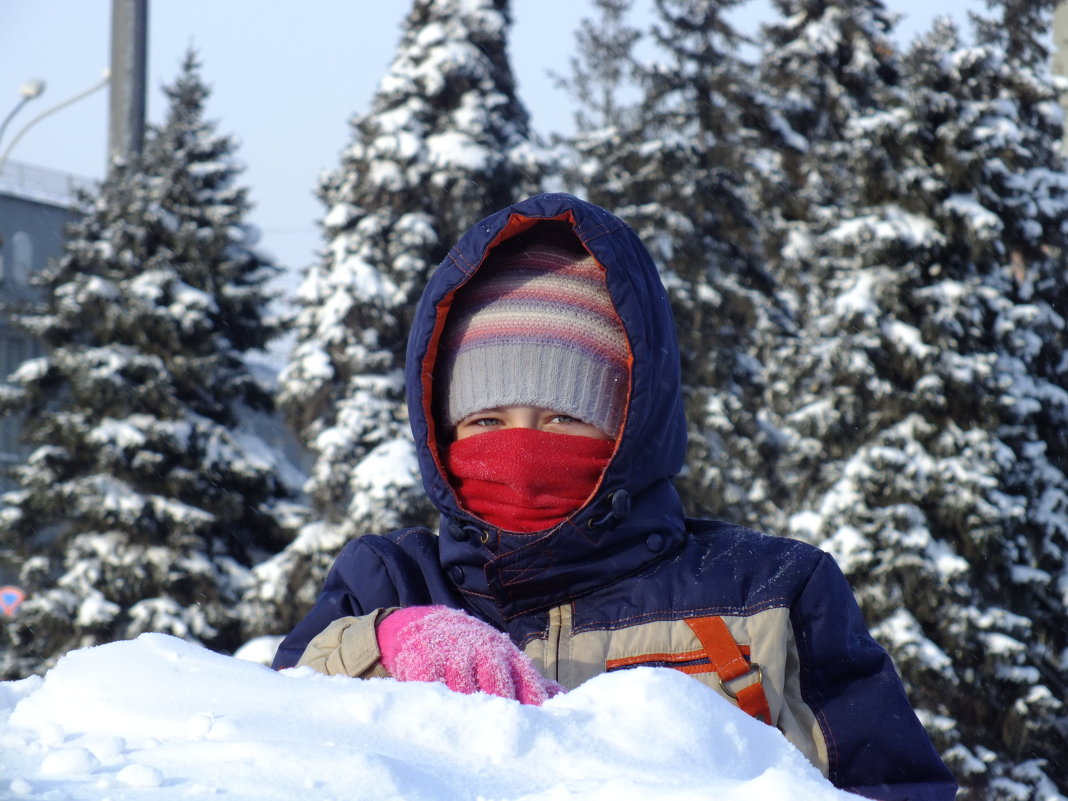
(35, 206)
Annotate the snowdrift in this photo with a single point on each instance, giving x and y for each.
(157, 718)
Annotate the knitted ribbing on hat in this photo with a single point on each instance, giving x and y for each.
(536, 327)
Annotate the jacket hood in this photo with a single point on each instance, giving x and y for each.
(634, 516)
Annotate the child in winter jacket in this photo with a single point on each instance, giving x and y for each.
(544, 396)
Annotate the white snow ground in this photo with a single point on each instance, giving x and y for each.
(157, 718)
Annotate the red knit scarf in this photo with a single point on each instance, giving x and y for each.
(525, 480)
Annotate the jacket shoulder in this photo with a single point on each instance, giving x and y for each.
(738, 535)
(408, 543)
(752, 558)
(378, 570)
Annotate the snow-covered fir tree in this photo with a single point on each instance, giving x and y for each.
(673, 154)
(826, 62)
(925, 398)
(831, 67)
(601, 80)
(989, 127)
(446, 142)
(144, 501)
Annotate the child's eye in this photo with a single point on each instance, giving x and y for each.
(483, 421)
(564, 418)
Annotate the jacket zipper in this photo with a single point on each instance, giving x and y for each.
(558, 645)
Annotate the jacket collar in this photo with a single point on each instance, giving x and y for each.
(522, 573)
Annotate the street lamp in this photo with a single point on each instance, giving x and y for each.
(95, 87)
(29, 90)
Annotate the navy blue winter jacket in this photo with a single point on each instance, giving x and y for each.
(616, 584)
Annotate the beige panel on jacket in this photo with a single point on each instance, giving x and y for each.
(347, 647)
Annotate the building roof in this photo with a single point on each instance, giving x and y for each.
(41, 185)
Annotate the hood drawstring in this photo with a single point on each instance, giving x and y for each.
(462, 532)
(619, 510)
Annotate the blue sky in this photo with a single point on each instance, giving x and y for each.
(286, 78)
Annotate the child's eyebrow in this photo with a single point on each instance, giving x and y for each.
(480, 413)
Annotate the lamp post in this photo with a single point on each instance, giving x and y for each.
(95, 87)
(129, 66)
(29, 90)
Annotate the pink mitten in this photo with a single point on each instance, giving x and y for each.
(435, 643)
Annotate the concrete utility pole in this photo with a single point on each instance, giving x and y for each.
(1060, 54)
(129, 66)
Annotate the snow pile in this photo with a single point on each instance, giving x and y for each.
(158, 718)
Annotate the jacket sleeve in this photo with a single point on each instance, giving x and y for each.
(347, 647)
(876, 744)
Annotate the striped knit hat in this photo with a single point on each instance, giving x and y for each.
(536, 328)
